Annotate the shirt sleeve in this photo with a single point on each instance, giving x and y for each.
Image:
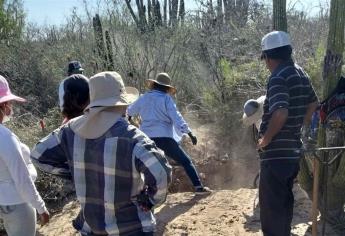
(180, 124)
(49, 156)
(13, 158)
(278, 94)
(151, 162)
(134, 108)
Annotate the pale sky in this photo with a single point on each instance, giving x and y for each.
(54, 12)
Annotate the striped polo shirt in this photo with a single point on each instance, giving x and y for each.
(288, 87)
(109, 173)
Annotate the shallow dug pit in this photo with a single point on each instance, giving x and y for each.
(222, 165)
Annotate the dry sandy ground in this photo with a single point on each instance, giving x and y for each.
(225, 212)
(229, 211)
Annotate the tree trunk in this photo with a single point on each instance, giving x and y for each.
(279, 15)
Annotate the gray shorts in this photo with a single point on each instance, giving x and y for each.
(19, 219)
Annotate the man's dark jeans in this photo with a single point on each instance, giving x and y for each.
(276, 197)
(175, 152)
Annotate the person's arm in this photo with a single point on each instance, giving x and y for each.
(179, 123)
(275, 124)
(151, 162)
(311, 108)
(278, 96)
(12, 156)
(134, 108)
(313, 103)
(49, 156)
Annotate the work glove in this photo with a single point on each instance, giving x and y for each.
(193, 138)
(143, 200)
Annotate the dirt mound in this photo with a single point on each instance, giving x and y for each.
(222, 164)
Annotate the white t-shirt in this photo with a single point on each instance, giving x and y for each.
(17, 173)
(61, 93)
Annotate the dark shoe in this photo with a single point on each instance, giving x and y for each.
(203, 191)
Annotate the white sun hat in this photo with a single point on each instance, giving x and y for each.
(253, 111)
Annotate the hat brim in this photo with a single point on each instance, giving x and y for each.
(131, 95)
(150, 82)
(250, 120)
(76, 70)
(11, 97)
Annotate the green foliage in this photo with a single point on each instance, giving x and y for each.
(11, 20)
(241, 81)
(27, 126)
(314, 67)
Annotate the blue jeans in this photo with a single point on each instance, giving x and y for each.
(175, 152)
(19, 219)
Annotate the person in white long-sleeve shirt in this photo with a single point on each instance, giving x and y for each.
(161, 121)
(18, 195)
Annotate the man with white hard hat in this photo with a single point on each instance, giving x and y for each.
(289, 104)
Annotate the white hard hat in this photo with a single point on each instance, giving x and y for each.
(275, 39)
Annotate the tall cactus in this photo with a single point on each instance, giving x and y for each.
(150, 16)
(173, 12)
(97, 26)
(334, 175)
(110, 64)
(165, 14)
(333, 61)
(182, 12)
(279, 15)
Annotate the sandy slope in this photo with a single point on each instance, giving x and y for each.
(225, 212)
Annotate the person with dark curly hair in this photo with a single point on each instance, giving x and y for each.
(75, 96)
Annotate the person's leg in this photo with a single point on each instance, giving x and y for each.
(148, 234)
(290, 196)
(175, 152)
(276, 198)
(19, 219)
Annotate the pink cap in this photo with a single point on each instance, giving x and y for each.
(5, 92)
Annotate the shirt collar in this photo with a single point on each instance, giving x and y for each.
(156, 91)
(282, 65)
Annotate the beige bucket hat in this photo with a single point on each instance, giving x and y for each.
(161, 79)
(108, 101)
